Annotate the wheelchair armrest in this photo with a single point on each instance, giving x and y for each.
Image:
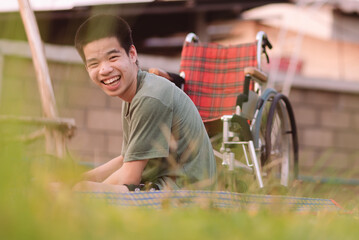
(173, 77)
(255, 72)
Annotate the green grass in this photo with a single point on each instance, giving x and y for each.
(29, 210)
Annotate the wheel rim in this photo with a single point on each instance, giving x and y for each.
(275, 155)
(279, 159)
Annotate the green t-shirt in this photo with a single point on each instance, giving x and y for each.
(163, 125)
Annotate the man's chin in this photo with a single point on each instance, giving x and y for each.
(112, 93)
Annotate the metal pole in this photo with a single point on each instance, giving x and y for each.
(257, 169)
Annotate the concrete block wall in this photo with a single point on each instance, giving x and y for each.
(98, 117)
(98, 136)
(328, 121)
(328, 131)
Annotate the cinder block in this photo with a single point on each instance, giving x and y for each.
(75, 74)
(30, 109)
(318, 138)
(12, 89)
(77, 114)
(335, 119)
(115, 103)
(13, 64)
(60, 94)
(114, 145)
(348, 139)
(349, 101)
(85, 97)
(84, 158)
(310, 162)
(354, 161)
(105, 120)
(321, 162)
(322, 99)
(297, 96)
(87, 141)
(306, 158)
(306, 116)
(100, 157)
(20, 108)
(31, 91)
(91, 160)
(356, 121)
(336, 159)
(59, 72)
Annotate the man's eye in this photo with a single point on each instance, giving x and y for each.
(92, 65)
(113, 58)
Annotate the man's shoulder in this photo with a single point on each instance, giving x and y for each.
(150, 79)
(155, 87)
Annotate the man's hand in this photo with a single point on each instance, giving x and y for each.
(87, 186)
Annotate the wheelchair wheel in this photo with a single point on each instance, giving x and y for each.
(279, 155)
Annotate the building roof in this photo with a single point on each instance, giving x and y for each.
(348, 6)
(51, 5)
(316, 21)
(162, 5)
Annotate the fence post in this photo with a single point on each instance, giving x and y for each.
(54, 139)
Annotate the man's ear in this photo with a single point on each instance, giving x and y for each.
(133, 53)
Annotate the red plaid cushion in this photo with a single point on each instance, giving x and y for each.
(214, 75)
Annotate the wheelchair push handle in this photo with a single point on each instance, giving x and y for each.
(263, 42)
(262, 38)
(192, 37)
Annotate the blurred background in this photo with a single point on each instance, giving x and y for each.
(315, 55)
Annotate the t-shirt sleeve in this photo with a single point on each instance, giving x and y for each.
(149, 130)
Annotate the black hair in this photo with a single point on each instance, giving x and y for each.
(103, 26)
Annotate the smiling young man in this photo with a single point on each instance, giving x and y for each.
(165, 144)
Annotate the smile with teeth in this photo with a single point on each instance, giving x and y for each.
(111, 81)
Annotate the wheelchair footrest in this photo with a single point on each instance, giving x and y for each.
(240, 125)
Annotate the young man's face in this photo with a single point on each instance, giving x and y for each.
(111, 68)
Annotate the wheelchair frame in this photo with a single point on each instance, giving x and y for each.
(264, 108)
(259, 146)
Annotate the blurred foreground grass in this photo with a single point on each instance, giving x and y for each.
(30, 210)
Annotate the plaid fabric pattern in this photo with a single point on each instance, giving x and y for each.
(214, 75)
(215, 199)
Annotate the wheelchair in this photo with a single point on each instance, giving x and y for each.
(254, 125)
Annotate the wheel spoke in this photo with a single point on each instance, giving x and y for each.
(278, 149)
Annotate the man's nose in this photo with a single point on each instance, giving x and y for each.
(105, 68)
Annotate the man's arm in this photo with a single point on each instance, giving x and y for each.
(129, 173)
(102, 172)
